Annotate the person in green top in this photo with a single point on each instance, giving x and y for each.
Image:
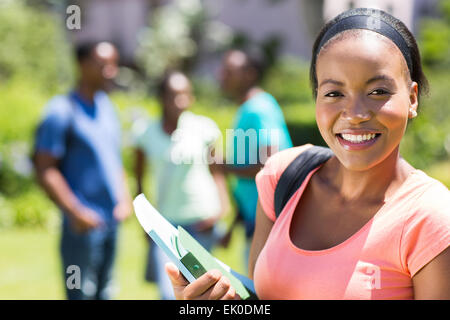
(259, 131)
(173, 146)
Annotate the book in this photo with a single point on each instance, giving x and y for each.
(184, 251)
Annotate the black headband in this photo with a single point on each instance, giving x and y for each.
(370, 23)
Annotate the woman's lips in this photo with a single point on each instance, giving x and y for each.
(357, 141)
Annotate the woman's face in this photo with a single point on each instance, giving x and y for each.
(364, 98)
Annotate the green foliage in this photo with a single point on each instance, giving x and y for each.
(441, 172)
(427, 139)
(20, 106)
(435, 42)
(434, 39)
(30, 208)
(176, 32)
(21, 202)
(33, 46)
(35, 62)
(288, 81)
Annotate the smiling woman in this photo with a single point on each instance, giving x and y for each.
(364, 94)
(365, 224)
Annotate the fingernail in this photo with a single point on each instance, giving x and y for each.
(215, 274)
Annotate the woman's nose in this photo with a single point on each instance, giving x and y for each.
(356, 111)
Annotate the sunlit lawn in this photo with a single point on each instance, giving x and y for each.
(30, 265)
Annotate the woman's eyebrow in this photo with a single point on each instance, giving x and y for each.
(332, 81)
(381, 77)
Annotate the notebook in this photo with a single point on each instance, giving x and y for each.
(184, 251)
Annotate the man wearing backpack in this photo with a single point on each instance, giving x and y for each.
(78, 163)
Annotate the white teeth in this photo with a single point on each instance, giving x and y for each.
(358, 137)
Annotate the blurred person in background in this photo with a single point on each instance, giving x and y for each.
(176, 147)
(240, 75)
(78, 163)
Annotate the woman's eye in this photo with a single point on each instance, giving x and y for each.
(333, 94)
(379, 92)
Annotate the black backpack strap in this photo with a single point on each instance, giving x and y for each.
(292, 177)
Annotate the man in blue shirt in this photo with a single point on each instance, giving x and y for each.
(78, 163)
(259, 130)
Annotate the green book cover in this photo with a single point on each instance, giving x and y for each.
(182, 249)
(198, 260)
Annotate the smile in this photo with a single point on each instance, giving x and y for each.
(358, 138)
(357, 141)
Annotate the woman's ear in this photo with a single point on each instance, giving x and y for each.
(413, 99)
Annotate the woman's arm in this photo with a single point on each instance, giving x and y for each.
(432, 282)
(263, 225)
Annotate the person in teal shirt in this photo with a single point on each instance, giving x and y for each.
(259, 131)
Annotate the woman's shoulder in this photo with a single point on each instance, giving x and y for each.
(426, 215)
(425, 202)
(433, 194)
(279, 161)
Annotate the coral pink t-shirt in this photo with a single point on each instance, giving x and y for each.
(377, 262)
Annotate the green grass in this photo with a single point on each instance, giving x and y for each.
(30, 263)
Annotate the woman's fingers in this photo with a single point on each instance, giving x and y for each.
(179, 282)
(198, 288)
(210, 286)
(218, 290)
(175, 275)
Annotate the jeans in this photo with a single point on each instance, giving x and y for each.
(92, 254)
(157, 256)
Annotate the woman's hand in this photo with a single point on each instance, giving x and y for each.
(210, 286)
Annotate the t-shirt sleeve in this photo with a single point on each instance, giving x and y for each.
(265, 126)
(52, 131)
(210, 131)
(267, 178)
(427, 232)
